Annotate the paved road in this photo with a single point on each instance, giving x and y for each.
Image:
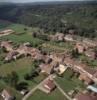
(34, 89)
(62, 91)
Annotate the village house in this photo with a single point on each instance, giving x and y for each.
(58, 57)
(57, 37)
(6, 95)
(91, 72)
(7, 45)
(27, 44)
(52, 65)
(91, 54)
(52, 37)
(86, 79)
(90, 43)
(81, 47)
(12, 55)
(92, 88)
(49, 85)
(85, 96)
(61, 69)
(82, 68)
(23, 50)
(27, 50)
(46, 68)
(46, 59)
(72, 31)
(69, 37)
(24, 92)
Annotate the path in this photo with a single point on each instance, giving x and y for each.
(34, 89)
(62, 91)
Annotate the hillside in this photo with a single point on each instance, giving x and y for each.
(53, 17)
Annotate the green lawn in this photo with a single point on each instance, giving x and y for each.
(55, 95)
(57, 46)
(66, 45)
(20, 35)
(87, 60)
(16, 27)
(21, 66)
(67, 83)
(21, 38)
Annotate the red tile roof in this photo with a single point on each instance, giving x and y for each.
(85, 96)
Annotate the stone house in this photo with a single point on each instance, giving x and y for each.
(85, 96)
(90, 43)
(12, 55)
(7, 45)
(69, 37)
(86, 79)
(91, 54)
(81, 47)
(49, 85)
(6, 95)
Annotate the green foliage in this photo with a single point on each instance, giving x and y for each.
(13, 79)
(56, 17)
(70, 81)
(55, 95)
(74, 53)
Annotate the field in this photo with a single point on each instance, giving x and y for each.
(68, 83)
(21, 35)
(55, 95)
(25, 65)
(56, 17)
(20, 66)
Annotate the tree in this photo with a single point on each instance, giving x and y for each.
(27, 77)
(75, 53)
(22, 85)
(25, 29)
(13, 79)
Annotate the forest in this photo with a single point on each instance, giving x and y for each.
(54, 17)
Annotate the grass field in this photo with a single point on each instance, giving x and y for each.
(21, 35)
(21, 66)
(67, 83)
(57, 46)
(25, 65)
(55, 95)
